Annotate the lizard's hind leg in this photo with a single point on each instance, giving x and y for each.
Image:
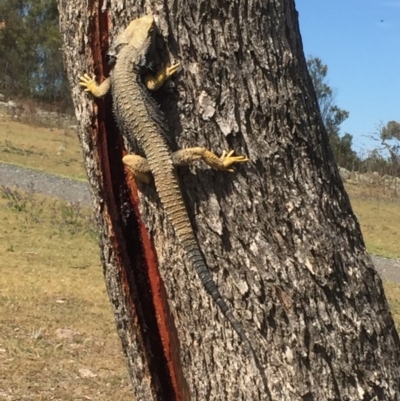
(224, 162)
(138, 167)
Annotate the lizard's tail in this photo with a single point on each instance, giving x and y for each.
(196, 259)
(168, 189)
(171, 197)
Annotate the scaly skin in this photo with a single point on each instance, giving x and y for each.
(138, 115)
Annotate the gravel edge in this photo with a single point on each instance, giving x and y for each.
(44, 183)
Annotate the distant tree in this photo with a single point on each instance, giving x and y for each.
(375, 161)
(332, 115)
(344, 154)
(389, 138)
(30, 57)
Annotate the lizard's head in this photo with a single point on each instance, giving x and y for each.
(138, 36)
(143, 29)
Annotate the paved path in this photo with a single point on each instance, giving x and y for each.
(78, 191)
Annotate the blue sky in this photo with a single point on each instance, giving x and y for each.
(359, 41)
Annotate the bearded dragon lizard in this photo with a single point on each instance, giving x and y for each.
(141, 121)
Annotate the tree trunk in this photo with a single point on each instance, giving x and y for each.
(279, 235)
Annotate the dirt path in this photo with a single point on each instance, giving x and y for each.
(78, 191)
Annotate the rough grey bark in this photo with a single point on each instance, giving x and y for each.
(279, 235)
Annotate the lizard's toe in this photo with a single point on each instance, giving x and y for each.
(171, 70)
(228, 159)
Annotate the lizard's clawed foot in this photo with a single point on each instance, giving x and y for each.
(155, 82)
(88, 83)
(171, 70)
(228, 159)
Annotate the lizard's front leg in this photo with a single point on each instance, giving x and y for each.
(89, 84)
(155, 82)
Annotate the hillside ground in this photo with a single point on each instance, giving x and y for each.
(58, 337)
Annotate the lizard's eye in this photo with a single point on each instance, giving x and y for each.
(111, 60)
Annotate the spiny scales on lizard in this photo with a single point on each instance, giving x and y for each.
(142, 122)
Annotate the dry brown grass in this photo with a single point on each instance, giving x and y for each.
(53, 150)
(392, 291)
(55, 318)
(51, 280)
(378, 212)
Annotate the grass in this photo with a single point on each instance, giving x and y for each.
(53, 150)
(392, 291)
(378, 212)
(58, 151)
(58, 339)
